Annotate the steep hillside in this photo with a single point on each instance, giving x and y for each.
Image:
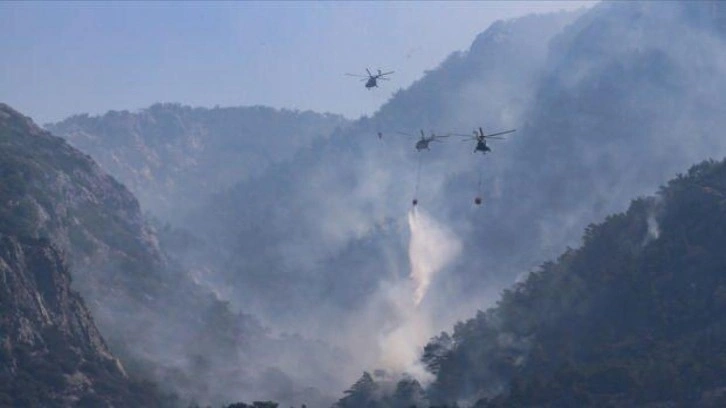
(155, 317)
(173, 156)
(633, 317)
(627, 99)
(51, 353)
(51, 190)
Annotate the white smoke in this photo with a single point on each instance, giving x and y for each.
(431, 248)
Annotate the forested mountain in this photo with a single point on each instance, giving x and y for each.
(607, 103)
(605, 107)
(618, 109)
(172, 156)
(154, 316)
(627, 100)
(633, 317)
(329, 223)
(275, 243)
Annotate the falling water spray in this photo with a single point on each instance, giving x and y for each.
(432, 246)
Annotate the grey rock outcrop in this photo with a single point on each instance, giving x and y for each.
(51, 353)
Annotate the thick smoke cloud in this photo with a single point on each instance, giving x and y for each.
(617, 103)
(316, 245)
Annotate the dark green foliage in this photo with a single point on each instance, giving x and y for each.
(634, 316)
(255, 404)
(435, 351)
(383, 392)
(364, 393)
(408, 393)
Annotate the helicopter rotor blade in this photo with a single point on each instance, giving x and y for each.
(369, 72)
(501, 133)
(405, 134)
(356, 75)
(387, 73)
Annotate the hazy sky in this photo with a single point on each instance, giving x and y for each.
(62, 58)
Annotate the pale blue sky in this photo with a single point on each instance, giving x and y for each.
(62, 58)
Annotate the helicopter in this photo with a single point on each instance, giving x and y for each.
(481, 139)
(481, 146)
(423, 142)
(371, 79)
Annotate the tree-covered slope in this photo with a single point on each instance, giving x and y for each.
(633, 317)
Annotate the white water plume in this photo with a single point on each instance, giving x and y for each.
(653, 229)
(431, 248)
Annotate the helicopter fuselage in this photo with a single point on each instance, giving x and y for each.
(422, 144)
(371, 83)
(481, 146)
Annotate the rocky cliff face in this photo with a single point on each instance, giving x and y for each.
(155, 317)
(51, 353)
(52, 190)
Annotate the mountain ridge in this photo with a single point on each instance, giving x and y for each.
(170, 155)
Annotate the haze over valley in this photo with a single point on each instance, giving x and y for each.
(176, 255)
